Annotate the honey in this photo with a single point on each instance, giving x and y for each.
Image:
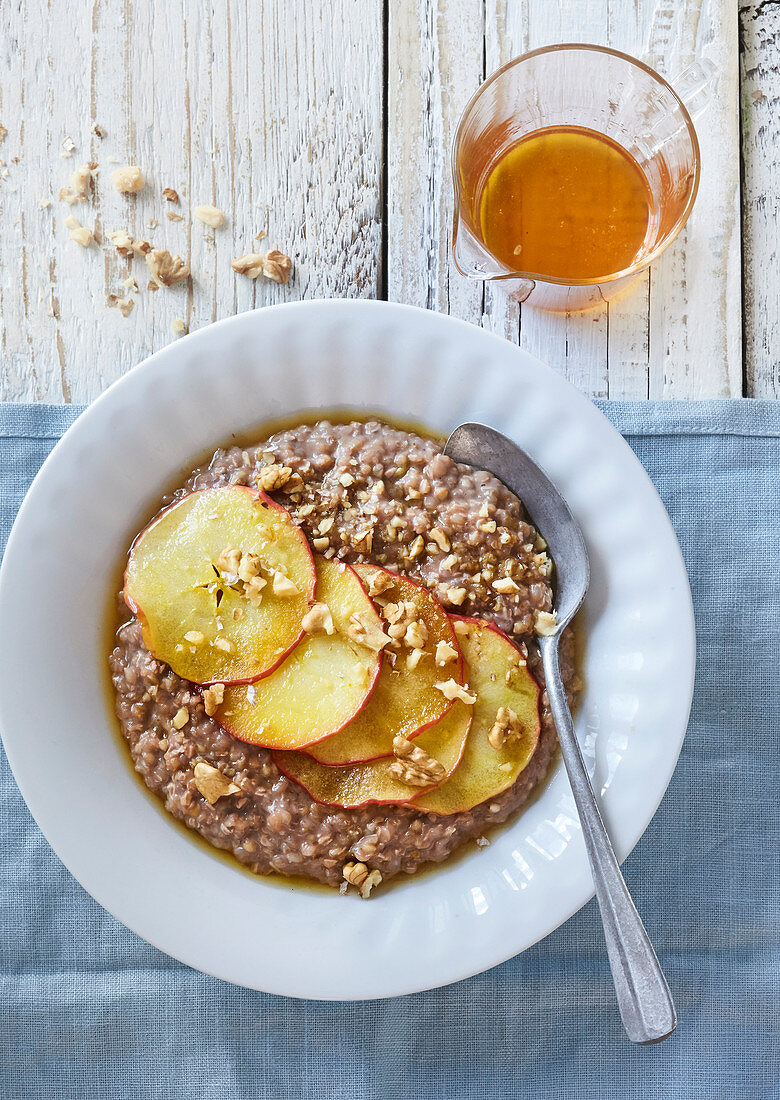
(565, 202)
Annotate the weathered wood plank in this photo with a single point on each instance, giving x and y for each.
(434, 64)
(760, 33)
(272, 112)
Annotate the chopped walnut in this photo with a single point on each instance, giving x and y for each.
(318, 620)
(545, 623)
(128, 179)
(213, 697)
(248, 566)
(505, 586)
(439, 537)
(195, 637)
(178, 325)
(81, 235)
(277, 266)
(283, 586)
(451, 689)
(380, 582)
(72, 222)
(250, 265)
(357, 874)
(81, 180)
(506, 729)
(416, 634)
(363, 540)
(181, 718)
(170, 195)
(413, 766)
(413, 658)
(166, 268)
(223, 644)
(44, 203)
(417, 547)
(320, 544)
(97, 130)
(3, 132)
(445, 653)
(123, 242)
(364, 629)
(456, 596)
(273, 477)
(461, 628)
(210, 215)
(211, 783)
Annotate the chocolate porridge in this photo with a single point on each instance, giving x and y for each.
(361, 493)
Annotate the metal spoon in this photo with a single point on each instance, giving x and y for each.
(645, 1003)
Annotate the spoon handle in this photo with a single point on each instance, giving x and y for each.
(645, 1003)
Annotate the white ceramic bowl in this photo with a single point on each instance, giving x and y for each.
(86, 504)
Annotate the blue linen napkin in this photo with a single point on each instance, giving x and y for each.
(89, 1010)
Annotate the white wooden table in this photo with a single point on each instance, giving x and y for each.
(330, 125)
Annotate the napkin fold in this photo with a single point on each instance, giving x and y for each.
(87, 1009)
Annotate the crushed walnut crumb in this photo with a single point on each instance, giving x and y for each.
(180, 718)
(318, 620)
(170, 195)
(210, 215)
(506, 729)
(213, 698)
(128, 179)
(545, 623)
(211, 783)
(451, 689)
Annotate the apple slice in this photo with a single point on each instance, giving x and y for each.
(405, 700)
(496, 751)
(326, 679)
(197, 613)
(374, 781)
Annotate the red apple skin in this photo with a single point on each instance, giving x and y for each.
(258, 494)
(456, 672)
(240, 683)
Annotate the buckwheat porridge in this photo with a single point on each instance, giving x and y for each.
(345, 724)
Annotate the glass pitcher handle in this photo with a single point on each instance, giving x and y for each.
(694, 85)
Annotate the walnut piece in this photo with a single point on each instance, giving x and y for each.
(178, 325)
(506, 729)
(357, 874)
(128, 179)
(456, 596)
(250, 265)
(170, 195)
(445, 653)
(181, 718)
(273, 477)
(380, 582)
(166, 268)
(82, 235)
(416, 634)
(505, 586)
(545, 623)
(210, 215)
(213, 697)
(277, 266)
(211, 783)
(364, 629)
(451, 689)
(413, 766)
(318, 620)
(283, 586)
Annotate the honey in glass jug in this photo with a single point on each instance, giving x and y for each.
(574, 167)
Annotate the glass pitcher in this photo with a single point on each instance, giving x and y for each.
(586, 86)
